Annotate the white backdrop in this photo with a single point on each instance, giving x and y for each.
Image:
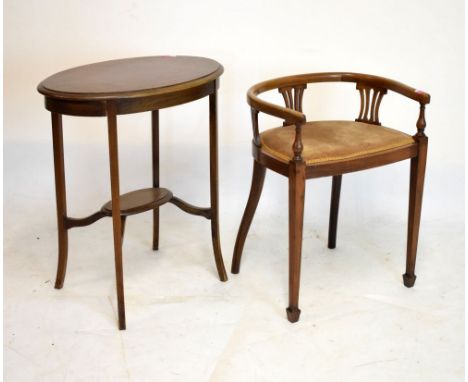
(418, 42)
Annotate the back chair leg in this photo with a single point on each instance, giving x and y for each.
(296, 220)
(334, 206)
(418, 168)
(258, 178)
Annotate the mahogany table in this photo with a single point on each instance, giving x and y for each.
(126, 86)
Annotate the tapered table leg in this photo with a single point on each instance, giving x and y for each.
(61, 199)
(155, 161)
(117, 223)
(123, 220)
(214, 187)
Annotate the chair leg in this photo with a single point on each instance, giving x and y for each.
(334, 206)
(258, 178)
(296, 220)
(418, 168)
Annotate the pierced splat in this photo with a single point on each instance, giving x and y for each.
(370, 103)
(293, 96)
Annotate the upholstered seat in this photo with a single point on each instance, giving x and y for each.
(330, 141)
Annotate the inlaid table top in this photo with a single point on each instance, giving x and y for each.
(130, 78)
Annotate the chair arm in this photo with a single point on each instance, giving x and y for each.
(289, 115)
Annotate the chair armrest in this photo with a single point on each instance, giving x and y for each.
(289, 115)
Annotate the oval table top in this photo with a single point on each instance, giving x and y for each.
(130, 78)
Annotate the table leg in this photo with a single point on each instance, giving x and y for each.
(117, 223)
(61, 198)
(214, 186)
(123, 220)
(155, 160)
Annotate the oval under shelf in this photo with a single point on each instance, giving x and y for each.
(139, 201)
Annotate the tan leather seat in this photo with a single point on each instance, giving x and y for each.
(329, 141)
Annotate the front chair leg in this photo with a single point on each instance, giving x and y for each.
(296, 220)
(334, 206)
(418, 168)
(258, 178)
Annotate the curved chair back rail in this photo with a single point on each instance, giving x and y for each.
(293, 113)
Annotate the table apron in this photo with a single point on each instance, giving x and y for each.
(98, 108)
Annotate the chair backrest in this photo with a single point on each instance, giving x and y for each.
(371, 90)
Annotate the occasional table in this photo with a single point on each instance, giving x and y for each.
(127, 86)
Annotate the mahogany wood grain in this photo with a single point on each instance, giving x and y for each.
(161, 101)
(362, 163)
(369, 112)
(417, 172)
(334, 206)
(190, 208)
(320, 170)
(155, 167)
(116, 222)
(296, 220)
(128, 86)
(123, 221)
(214, 193)
(61, 199)
(97, 108)
(365, 82)
(131, 203)
(136, 84)
(418, 168)
(82, 222)
(292, 96)
(258, 178)
(139, 201)
(300, 79)
(371, 91)
(256, 135)
(130, 78)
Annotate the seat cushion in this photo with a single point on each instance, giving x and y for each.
(328, 141)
